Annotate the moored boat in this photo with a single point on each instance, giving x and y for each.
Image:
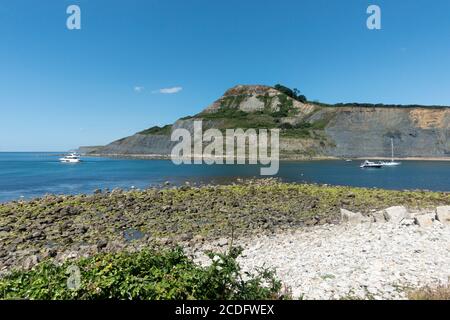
(70, 158)
(370, 164)
(391, 163)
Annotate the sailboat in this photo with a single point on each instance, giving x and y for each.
(391, 163)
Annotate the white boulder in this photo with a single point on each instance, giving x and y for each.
(424, 220)
(351, 217)
(443, 214)
(396, 214)
(378, 216)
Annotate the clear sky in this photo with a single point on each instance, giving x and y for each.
(61, 88)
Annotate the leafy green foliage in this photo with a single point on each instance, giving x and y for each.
(166, 130)
(286, 107)
(293, 93)
(143, 275)
(378, 105)
(225, 112)
(296, 133)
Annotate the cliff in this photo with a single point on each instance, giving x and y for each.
(310, 129)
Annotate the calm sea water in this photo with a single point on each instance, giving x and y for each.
(29, 175)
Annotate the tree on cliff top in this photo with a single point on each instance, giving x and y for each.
(293, 93)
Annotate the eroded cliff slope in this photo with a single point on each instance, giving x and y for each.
(309, 129)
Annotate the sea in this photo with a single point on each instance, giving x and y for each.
(26, 175)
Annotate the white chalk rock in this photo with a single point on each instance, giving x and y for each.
(424, 220)
(396, 214)
(351, 217)
(443, 214)
(378, 216)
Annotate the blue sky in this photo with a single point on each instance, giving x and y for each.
(60, 89)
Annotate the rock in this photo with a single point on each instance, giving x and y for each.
(198, 239)
(164, 241)
(424, 220)
(378, 216)
(87, 250)
(186, 236)
(351, 217)
(68, 255)
(408, 222)
(116, 191)
(101, 244)
(5, 229)
(49, 253)
(443, 214)
(38, 235)
(30, 261)
(4, 234)
(114, 246)
(396, 214)
(222, 242)
(83, 229)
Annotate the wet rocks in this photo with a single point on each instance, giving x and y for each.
(186, 236)
(101, 244)
(49, 253)
(121, 219)
(30, 261)
(38, 235)
(5, 228)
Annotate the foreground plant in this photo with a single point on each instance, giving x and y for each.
(144, 275)
(431, 293)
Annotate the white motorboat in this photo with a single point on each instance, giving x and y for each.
(71, 158)
(370, 164)
(391, 163)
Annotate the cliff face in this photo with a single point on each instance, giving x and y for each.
(417, 132)
(310, 129)
(138, 144)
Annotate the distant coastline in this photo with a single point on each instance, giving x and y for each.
(282, 158)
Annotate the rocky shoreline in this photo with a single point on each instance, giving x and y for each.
(69, 227)
(381, 256)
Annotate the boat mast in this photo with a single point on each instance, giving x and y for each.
(392, 149)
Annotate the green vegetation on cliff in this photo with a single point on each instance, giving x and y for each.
(293, 93)
(165, 130)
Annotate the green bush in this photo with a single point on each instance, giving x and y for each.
(225, 112)
(144, 275)
(293, 93)
(296, 133)
(166, 130)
